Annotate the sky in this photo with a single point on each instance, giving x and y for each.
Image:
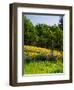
(44, 19)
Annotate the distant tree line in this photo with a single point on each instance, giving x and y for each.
(43, 35)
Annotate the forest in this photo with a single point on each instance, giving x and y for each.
(43, 47)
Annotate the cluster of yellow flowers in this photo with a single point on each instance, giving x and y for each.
(33, 51)
(37, 49)
(32, 54)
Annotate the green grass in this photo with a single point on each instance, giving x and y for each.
(43, 67)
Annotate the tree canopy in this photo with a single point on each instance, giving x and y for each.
(43, 35)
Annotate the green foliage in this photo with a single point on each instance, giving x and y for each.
(43, 35)
(40, 57)
(61, 23)
(43, 67)
(57, 37)
(29, 32)
(28, 59)
(52, 58)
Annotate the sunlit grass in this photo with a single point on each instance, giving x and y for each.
(43, 67)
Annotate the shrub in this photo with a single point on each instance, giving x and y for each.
(28, 59)
(52, 58)
(40, 57)
(60, 58)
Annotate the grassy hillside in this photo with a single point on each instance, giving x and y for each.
(39, 60)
